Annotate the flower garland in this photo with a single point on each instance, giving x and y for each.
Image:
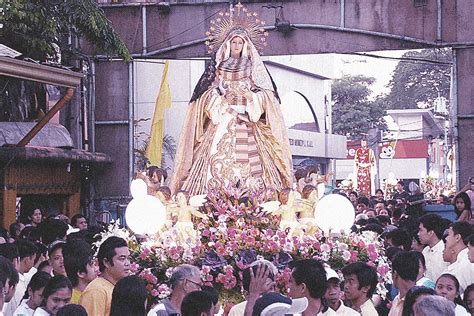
(238, 233)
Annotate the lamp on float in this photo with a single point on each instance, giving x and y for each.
(145, 214)
(334, 213)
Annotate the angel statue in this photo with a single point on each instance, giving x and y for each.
(287, 207)
(184, 211)
(307, 222)
(234, 130)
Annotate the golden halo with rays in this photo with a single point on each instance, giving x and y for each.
(237, 18)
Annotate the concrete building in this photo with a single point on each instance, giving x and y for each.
(412, 148)
(305, 102)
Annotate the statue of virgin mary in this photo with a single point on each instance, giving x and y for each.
(234, 130)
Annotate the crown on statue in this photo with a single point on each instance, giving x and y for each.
(238, 18)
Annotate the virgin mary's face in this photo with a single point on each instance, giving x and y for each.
(236, 46)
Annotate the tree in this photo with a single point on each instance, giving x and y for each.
(353, 114)
(50, 31)
(419, 79)
(45, 30)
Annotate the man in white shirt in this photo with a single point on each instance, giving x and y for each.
(430, 232)
(27, 253)
(11, 280)
(405, 266)
(456, 253)
(333, 295)
(360, 281)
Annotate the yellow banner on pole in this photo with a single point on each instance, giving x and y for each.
(163, 101)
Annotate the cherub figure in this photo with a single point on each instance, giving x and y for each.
(184, 213)
(307, 223)
(288, 209)
(164, 195)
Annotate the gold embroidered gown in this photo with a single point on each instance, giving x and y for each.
(237, 131)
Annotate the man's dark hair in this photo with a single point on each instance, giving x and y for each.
(462, 228)
(470, 240)
(435, 223)
(213, 292)
(75, 218)
(40, 250)
(31, 233)
(420, 257)
(246, 276)
(77, 255)
(383, 219)
(107, 250)
(406, 264)
(365, 274)
(129, 297)
(354, 193)
(25, 248)
(52, 229)
(3, 280)
(13, 230)
(72, 310)
(7, 267)
(9, 251)
(373, 227)
(363, 200)
(312, 273)
(195, 303)
(400, 237)
(401, 183)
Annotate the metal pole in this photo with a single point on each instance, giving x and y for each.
(144, 30)
(92, 105)
(454, 116)
(439, 28)
(343, 13)
(130, 122)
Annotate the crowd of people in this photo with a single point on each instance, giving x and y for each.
(48, 267)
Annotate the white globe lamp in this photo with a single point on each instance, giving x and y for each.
(145, 214)
(334, 214)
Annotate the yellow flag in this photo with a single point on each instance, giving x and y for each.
(163, 101)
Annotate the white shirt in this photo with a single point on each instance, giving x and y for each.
(462, 269)
(24, 310)
(238, 309)
(368, 309)
(17, 297)
(460, 311)
(40, 312)
(435, 265)
(343, 310)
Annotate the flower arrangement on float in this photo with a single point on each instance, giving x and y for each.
(239, 232)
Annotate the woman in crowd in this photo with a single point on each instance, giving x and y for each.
(56, 294)
(412, 295)
(32, 217)
(447, 286)
(462, 207)
(469, 298)
(33, 295)
(129, 297)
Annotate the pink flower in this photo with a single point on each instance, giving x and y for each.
(134, 267)
(154, 293)
(145, 253)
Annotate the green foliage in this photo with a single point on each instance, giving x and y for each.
(353, 112)
(417, 82)
(40, 29)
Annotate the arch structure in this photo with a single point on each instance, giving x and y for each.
(176, 29)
